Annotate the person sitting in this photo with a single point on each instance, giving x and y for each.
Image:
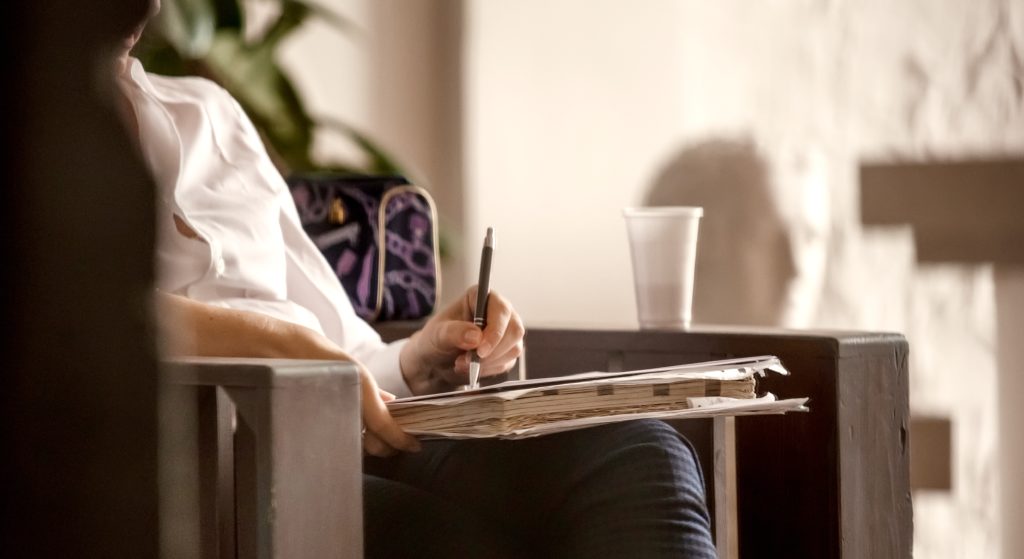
(237, 276)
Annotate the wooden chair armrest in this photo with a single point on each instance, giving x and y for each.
(268, 450)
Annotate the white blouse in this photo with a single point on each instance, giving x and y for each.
(251, 253)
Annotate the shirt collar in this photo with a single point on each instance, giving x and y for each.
(161, 139)
(137, 75)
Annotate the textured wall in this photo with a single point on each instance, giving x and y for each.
(575, 105)
(882, 80)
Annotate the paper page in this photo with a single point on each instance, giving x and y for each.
(764, 405)
(728, 369)
(530, 408)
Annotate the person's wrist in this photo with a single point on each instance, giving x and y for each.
(409, 366)
(416, 372)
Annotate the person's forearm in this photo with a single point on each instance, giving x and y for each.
(191, 328)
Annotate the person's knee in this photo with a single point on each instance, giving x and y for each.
(654, 444)
(638, 453)
(658, 434)
(649, 466)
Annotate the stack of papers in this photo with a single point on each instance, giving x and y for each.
(519, 409)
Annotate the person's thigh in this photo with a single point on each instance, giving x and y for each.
(626, 489)
(403, 521)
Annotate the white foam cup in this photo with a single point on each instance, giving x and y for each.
(663, 246)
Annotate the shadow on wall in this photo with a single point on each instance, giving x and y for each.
(752, 268)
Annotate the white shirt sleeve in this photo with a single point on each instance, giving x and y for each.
(313, 285)
(214, 172)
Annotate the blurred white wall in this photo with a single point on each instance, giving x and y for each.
(571, 106)
(332, 67)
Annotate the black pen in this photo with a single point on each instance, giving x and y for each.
(480, 316)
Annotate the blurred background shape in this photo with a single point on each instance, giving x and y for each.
(756, 265)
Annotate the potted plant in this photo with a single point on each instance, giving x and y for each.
(207, 38)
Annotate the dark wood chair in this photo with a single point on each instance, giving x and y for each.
(833, 482)
(260, 458)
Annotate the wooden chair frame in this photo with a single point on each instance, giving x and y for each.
(262, 458)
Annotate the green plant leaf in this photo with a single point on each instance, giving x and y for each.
(252, 75)
(188, 25)
(379, 162)
(160, 57)
(293, 14)
(206, 38)
(337, 21)
(229, 14)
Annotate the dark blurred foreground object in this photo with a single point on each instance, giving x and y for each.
(77, 419)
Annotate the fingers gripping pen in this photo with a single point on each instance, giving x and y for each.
(483, 291)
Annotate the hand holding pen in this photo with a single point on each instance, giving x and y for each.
(478, 335)
(483, 291)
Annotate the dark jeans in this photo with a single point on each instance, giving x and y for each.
(630, 489)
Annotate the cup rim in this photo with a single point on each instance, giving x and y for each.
(663, 211)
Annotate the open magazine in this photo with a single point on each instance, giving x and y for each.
(529, 408)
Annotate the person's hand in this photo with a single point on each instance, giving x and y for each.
(436, 358)
(382, 436)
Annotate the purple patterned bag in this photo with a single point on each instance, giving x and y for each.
(379, 234)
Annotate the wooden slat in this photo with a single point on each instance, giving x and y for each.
(726, 530)
(960, 211)
(931, 454)
(216, 473)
